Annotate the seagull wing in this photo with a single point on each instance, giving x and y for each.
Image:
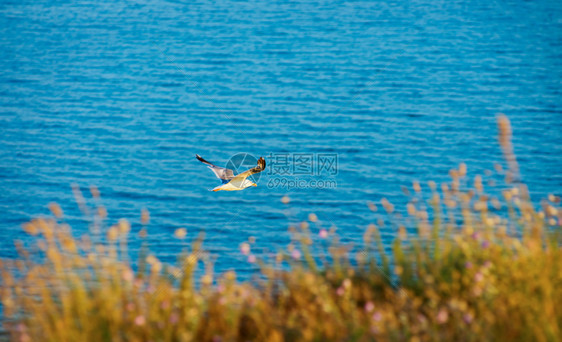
(221, 172)
(242, 176)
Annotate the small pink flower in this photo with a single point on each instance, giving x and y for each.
(174, 318)
(442, 316)
(128, 275)
(323, 233)
(245, 248)
(164, 305)
(340, 291)
(369, 306)
(485, 244)
(296, 254)
(220, 288)
(140, 320)
(467, 318)
(478, 277)
(468, 264)
(252, 258)
(377, 316)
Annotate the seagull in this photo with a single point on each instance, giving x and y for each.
(230, 182)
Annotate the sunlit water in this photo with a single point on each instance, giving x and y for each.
(122, 96)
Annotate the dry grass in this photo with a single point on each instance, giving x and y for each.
(475, 269)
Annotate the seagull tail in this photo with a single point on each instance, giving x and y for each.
(202, 160)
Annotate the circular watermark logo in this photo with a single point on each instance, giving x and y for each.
(241, 162)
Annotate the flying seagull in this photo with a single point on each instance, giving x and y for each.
(230, 182)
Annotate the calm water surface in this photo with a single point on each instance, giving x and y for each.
(123, 94)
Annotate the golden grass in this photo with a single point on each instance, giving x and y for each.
(476, 269)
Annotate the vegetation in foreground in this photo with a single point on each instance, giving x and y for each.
(469, 268)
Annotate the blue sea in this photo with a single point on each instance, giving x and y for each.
(347, 101)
